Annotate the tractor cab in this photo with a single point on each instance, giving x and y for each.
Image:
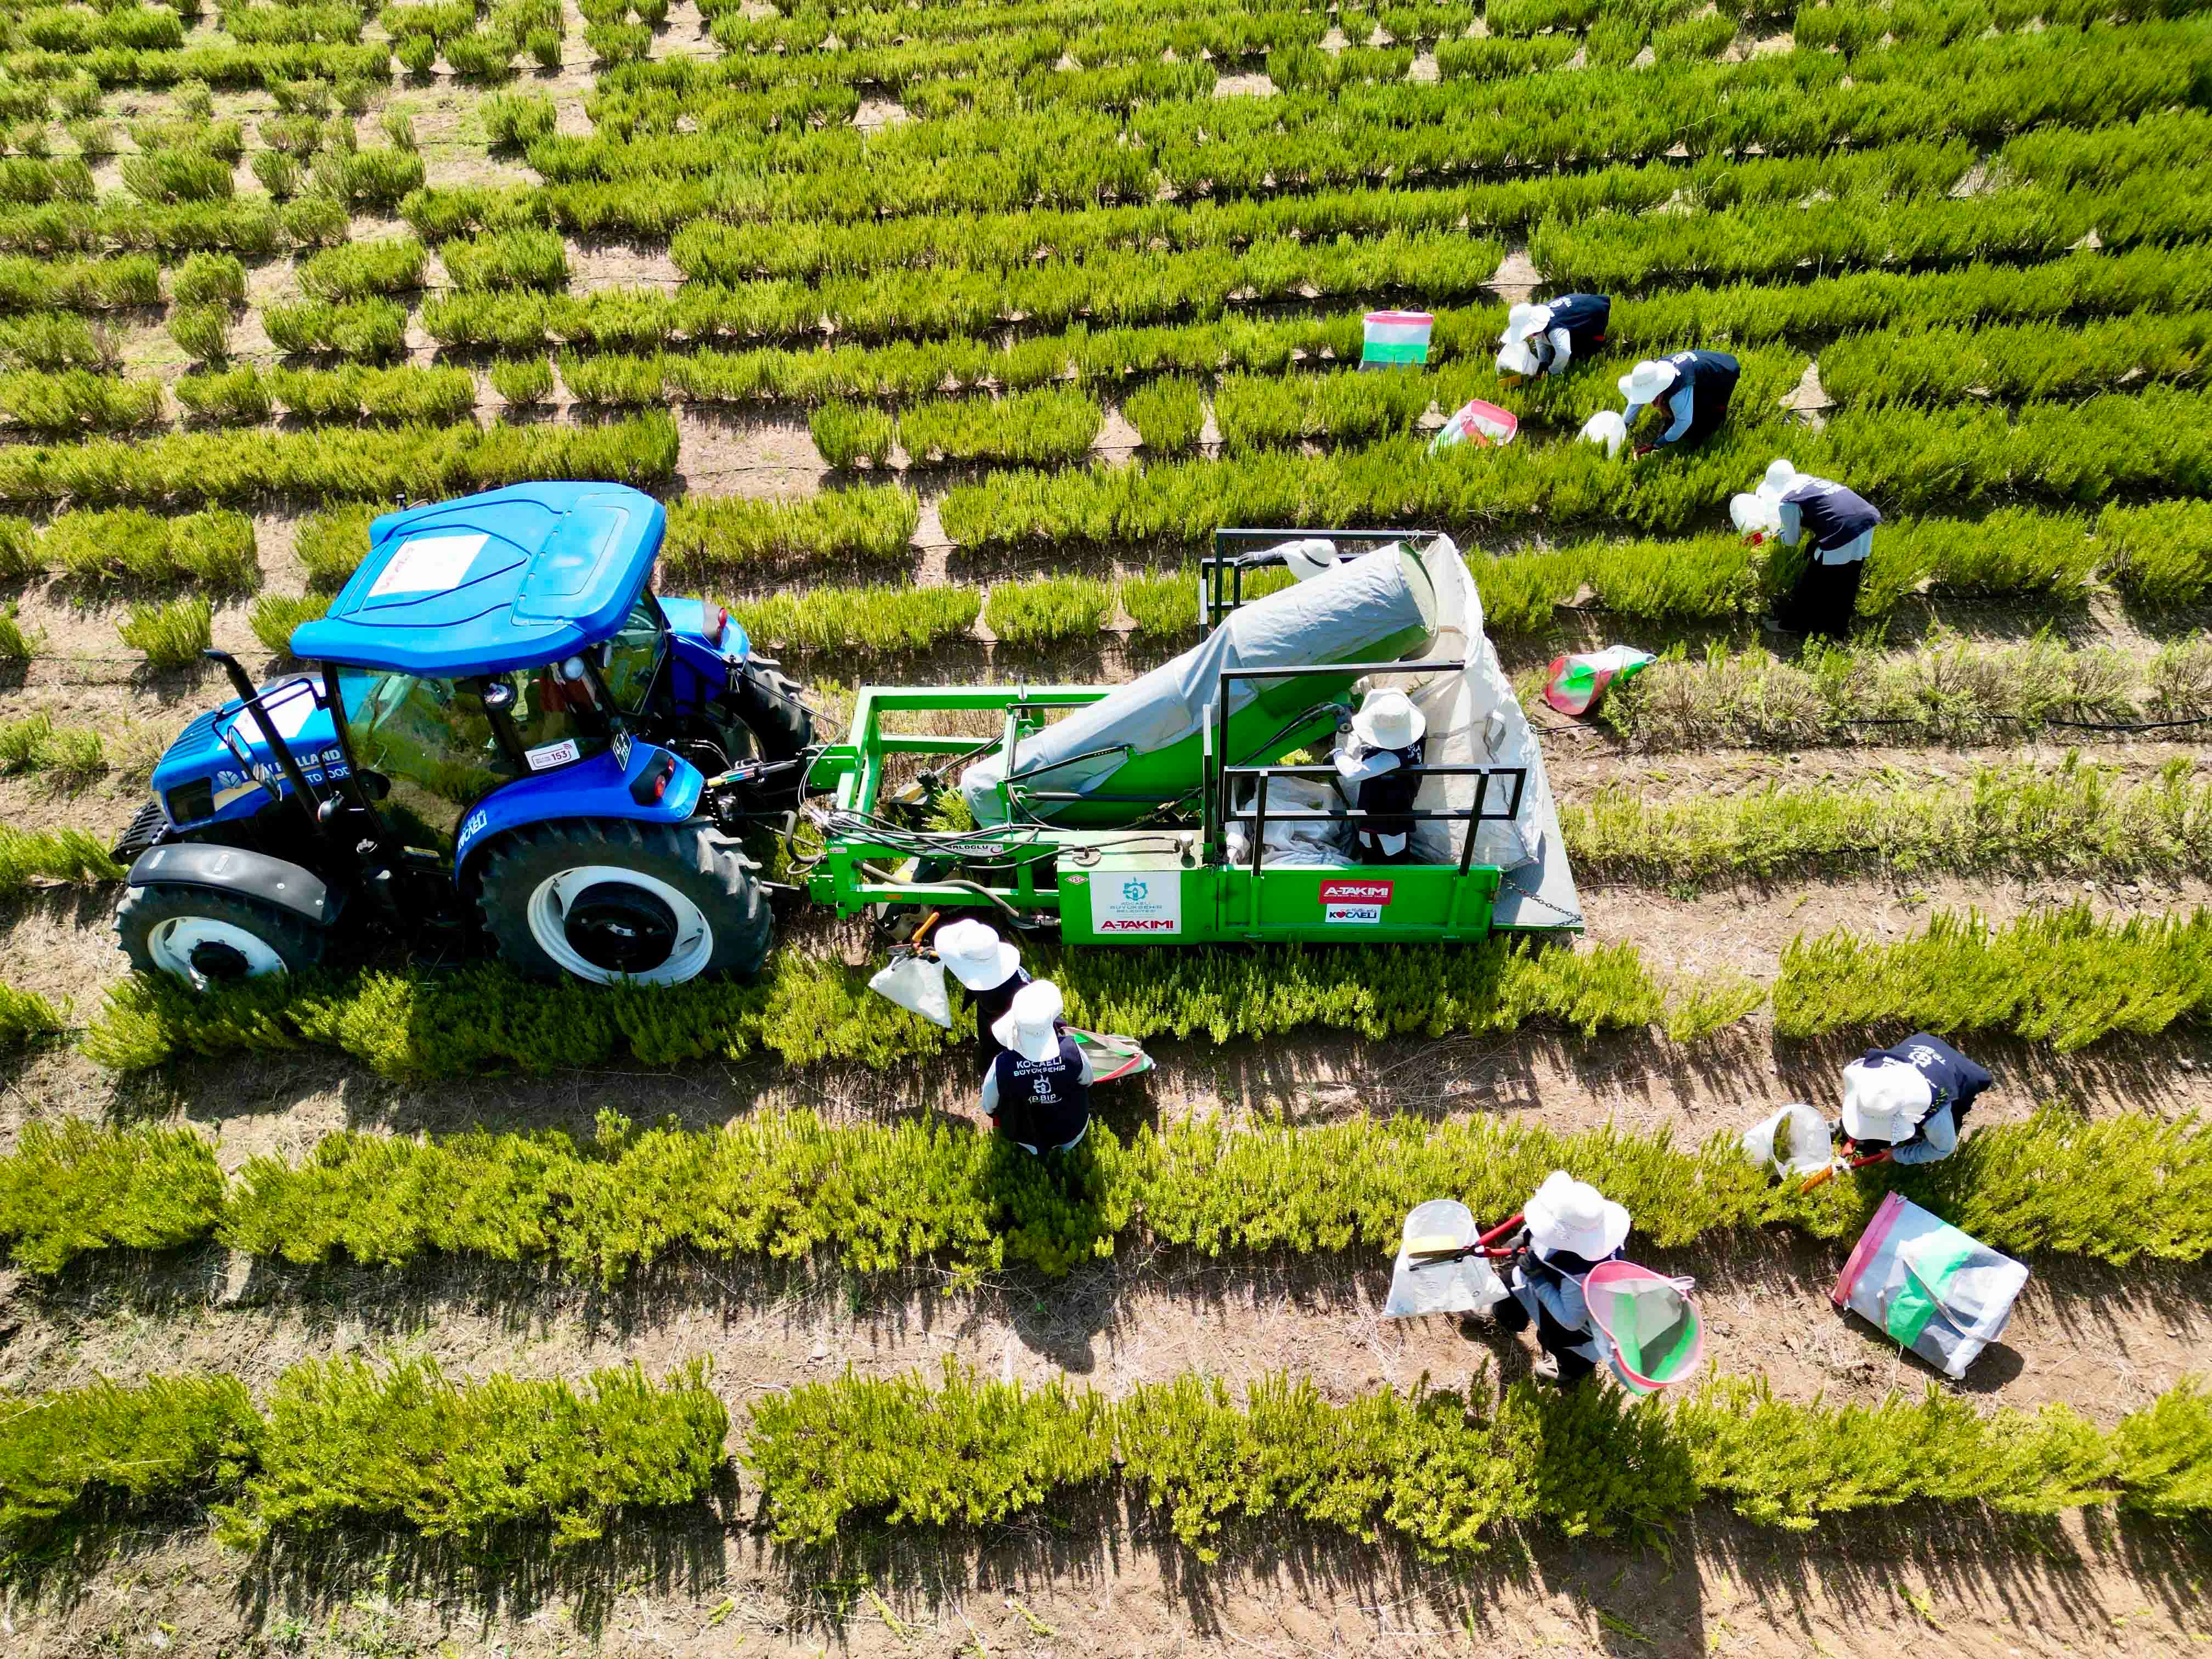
(497, 675)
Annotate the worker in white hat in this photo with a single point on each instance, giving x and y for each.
(1908, 1101)
(1571, 1228)
(1307, 557)
(989, 972)
(1381, 763)
(1038, 1093)
(1790, 505)
(1544, 338)
(1689, 390)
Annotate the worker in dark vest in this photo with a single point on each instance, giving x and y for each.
(1910, 1100)
(1543, 339)
(1038, 1093)
(1572, 1227)
(1381, 767)
(1688, 391)
(1793, 506)
(989, 972)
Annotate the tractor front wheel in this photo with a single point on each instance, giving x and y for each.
(210, 939)
(613, 901)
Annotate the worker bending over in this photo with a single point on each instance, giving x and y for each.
(1572, 1227)
(1689, 391)
(1382, 763)
(1038, 1091)
(1793, 504)
(1910, 1100)
(989, 971)
(1543, 339)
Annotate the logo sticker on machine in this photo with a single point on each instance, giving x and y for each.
(1359, 904)
(1138, 904)
(549, 756)
(428, 564)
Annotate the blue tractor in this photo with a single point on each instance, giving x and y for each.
(503, 732)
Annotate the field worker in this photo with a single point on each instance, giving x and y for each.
(1038, 1093)
(1543, 339)
(989, 971)
(1841, 523)
(1690, 391)
(1389, 738)
(1572, 1227)
(1910, 1100)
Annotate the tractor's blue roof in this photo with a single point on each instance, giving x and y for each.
(508, 579)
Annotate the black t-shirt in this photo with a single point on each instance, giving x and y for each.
(1708, 379)
(990, 1006)
(1952, 1080)
(1833, 515)
(1042, 1102)
(1391, 794)
(1584, 316)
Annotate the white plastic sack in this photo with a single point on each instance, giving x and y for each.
(1756, 513)
(1312, 842)
(1468, 1284)
(917, 985)
(1792, 1142)
(1932, 1288)
(1607, 427)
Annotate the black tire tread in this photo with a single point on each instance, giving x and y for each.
(722, 884)
(298, 941)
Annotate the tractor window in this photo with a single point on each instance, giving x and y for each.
(439, 745)
(627, 660)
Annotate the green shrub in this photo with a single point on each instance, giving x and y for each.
(523, 384)
(2025, 817)
(331, 544)
(356, 270)
(486, 56)
(2062, 977)
(130, 545)
(1040, 427)
(871, 620)
(372, 329)
(178, 175)
(201, 332)
(1162, 603)
(629, 382)
(315, 220)
(71, 755)
(849, 434)
(274, 615)
(15, 645)
(707, 537)
(1048, 609)
(77, 400)
(69, 855)
(518, 118)
(171, 636)
(208, 279)
(168, 1439)
(508, 259)
(25, 1015)
(469, 1459)
(279, 174)
(1169, 414)
(2159, 556)
(377, 178)
(70, 1189)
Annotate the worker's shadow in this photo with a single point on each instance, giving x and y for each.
(1056, 1213)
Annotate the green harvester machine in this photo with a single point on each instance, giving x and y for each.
(1199, 803)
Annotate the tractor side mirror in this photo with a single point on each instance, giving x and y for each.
(375, 785)
(499, 695)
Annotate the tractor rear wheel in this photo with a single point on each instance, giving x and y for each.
(611, 901)
(210, 939)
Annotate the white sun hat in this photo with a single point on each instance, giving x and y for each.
(1781, 478)
(1387, 720)
(1571, 1215)
(1522, 321)
(975, 955)
(1884, 1098)
(1030, 1028)
(1310, 556)
(1648, 380)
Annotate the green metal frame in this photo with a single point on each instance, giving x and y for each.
(1129, 884)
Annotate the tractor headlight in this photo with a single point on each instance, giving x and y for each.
(188, 803)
